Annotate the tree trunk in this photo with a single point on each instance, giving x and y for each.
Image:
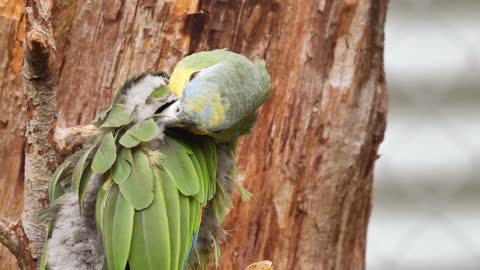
(318, 135)
(12, 117)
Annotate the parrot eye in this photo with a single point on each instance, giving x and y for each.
(194, 74)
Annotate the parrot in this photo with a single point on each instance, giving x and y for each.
(150, 189)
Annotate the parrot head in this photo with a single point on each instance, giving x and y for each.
(216, 93)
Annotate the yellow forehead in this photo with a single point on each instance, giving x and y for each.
(179, 79)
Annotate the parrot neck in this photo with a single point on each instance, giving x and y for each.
(231, 135)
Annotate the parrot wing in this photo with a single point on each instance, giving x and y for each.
(151, 219)
(148, 210)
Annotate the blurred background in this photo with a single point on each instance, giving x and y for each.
(426, 212)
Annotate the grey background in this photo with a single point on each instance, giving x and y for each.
(426, 212)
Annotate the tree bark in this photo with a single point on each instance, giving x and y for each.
(13, 237)
(318, 135)
(40, 84)
(12, 117)
(316, 143)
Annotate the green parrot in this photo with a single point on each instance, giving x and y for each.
(151, 188)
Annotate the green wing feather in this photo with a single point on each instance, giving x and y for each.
(150, 241)
(117, 227)
(202, 194)
(162, 197)
(105, 155)
(144, 131)
(179, 165)
(82, 189)
(79, 168)
(149, 208)
(122, 168)
(185, 230)
(117, 117)
(184, 164)
(107, 224)
(138, 187)
(100, 204)
(55, 190)
(175, 212)
(123, 222)
(209, 152)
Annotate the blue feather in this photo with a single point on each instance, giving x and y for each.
(194, 243)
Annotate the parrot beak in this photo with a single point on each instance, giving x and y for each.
(171, 115)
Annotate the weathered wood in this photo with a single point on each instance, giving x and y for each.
(68, 140)
(13, 237)
(39, 77)
(317, 139)
(12, 117)
(263, 265)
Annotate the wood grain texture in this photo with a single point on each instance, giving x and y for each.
(317, 140)
(318, 135)
(12, 117)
